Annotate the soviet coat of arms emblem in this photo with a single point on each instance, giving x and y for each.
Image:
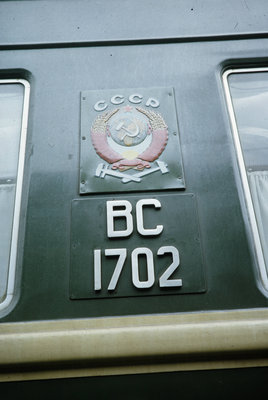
(131, 140)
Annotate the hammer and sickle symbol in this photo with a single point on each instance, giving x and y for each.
(128, 132)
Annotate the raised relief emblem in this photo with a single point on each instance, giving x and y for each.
(129, 138)
(132, 139)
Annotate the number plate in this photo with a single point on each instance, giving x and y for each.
(127, 246)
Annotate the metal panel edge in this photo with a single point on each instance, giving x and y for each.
(243, 174)
(191, 21)
(17, 206)
(131, 345)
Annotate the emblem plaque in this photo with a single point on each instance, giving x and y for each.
(129, 141)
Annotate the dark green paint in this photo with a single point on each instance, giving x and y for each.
(52, 174)
(173, 47)
(65, 48)
(178, 215)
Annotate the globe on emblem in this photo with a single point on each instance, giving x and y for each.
(129, 137)
(128, 127)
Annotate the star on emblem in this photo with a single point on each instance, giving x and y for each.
(127, 109)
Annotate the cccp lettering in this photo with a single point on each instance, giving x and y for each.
(118, 99)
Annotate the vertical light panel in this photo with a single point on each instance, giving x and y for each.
(14, 105)
(247, 99)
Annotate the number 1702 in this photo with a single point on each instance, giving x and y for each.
(164, 280)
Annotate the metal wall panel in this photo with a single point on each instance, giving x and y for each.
(64, 48)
